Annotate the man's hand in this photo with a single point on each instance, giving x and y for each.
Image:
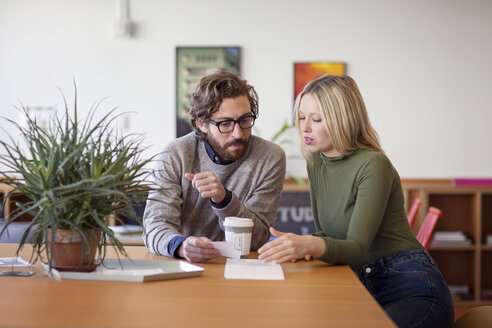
(207, 185)
(291, 247)
(197, 249)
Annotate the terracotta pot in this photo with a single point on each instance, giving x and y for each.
(69, 251)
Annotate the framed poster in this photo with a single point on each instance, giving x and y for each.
(305, 72)
(193, 63)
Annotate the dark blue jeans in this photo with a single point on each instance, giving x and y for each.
(411, 289)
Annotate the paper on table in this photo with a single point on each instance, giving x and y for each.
(252, 269)
(227, 249)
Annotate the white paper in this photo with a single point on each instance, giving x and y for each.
(127, 229)
(13, 262)
(227, 249)
(253, 270)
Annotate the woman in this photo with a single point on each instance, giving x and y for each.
(358, 208)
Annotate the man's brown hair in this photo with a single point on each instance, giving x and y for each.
(212, 90)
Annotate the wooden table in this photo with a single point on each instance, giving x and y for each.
(313, 294)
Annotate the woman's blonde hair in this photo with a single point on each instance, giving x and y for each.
(343, 113)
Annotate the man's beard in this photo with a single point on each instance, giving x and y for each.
(229, 155)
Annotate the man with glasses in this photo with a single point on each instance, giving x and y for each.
(218, 170)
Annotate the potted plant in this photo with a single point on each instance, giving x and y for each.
(75, 175)
(279, 139)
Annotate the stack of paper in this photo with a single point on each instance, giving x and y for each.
(460, 292)
(450, 238)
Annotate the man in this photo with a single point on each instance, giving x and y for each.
(218, 170)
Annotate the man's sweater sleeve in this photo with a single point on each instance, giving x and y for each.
(163, 209)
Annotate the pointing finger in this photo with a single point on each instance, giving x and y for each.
(189, 176)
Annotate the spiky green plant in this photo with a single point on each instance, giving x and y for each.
(75, 175)
(277, 138)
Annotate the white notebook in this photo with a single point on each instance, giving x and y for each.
(134, 271)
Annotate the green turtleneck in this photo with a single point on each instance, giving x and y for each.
(358, 208)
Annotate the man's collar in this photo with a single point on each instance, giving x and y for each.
(213, 156)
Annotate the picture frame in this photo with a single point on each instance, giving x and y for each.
(307, 71)
(192, 64)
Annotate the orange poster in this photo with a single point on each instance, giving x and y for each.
(305, 72)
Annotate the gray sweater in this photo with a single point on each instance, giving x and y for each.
(256, 182)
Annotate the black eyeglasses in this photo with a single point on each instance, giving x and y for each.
(226, 126)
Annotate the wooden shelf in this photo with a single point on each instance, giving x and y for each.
(471, 304)
(452, 248)
(468, 209)
(291, 186)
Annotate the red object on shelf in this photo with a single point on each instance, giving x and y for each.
(484, 182)
(487, 294)
(413, 212)
(427, 228)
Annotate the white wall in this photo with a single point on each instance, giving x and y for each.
(423, 66)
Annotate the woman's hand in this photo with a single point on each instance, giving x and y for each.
(291, 247)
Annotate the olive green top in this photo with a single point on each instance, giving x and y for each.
(358, 208)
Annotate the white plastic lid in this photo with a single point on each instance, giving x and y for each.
(233, 221)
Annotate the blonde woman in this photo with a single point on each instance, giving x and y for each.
(358, 208)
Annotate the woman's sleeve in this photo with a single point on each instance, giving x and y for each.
(373, 191)
(314, 206)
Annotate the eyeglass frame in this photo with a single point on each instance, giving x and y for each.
(238, 121)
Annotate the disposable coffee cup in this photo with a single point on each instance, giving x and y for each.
(238, 232)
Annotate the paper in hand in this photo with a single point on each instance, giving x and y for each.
(227, 249)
